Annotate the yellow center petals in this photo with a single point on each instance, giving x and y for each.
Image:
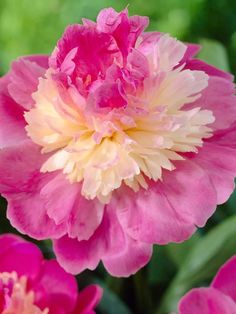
(105, 150)
(17, 299)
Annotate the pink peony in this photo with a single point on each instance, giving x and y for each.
(219, 298)
(118, 140)
(31, 285)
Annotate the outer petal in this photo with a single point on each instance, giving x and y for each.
(21, 256)
(200, 65)
(76, 256)
(88, 299)
(110, 244)
(21, 186)
(24, 76)
(225, 279)
(218, 96)
(219, 162)
(59, 289)
(206, 301)
(166, 212)
(12, 121)
(65, 203)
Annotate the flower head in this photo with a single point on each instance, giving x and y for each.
(31, 285)
(117, 140)
(219, 298)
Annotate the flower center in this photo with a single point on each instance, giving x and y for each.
(103, 148)
(14, 297)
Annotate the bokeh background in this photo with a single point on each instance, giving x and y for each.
(28, 27)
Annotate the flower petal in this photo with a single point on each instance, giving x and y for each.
(88, 299)
(206, 301)
(225, 279)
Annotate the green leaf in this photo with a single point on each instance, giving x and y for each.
(161, 268)
(214, 53)
(111, 303)
(178, 252)
(202, 263)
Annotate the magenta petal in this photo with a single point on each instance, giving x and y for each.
(161, 223)
(23, 257)
(88, 299)
(206, 301)
(133, 256)
(76, 256)
(60, 288)
(200, 65)
(19, 167)
(24, 76)
(27, 213)
(189, 179)
(219, 163)
(172, 215)
(85, 218)
(218, 96)
(88, 61)
(12, 121)
(225, 279)
(60, 198)
(7, 240)
(192, 50)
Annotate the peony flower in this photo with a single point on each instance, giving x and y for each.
(118, 140)
(31, 285)
(219, 298)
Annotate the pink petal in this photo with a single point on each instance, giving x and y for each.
(165, 212)
(200, 65)
(21, 182)
(134, 255)
(19, 167)
(225, 279)
(218, 96)
(110, 244)
(219, 162)
(12, 121)
(206, 301)
(60, 198)
(64, 203)
(24, 76)
(148, 216)
(125, 30)
(192, 50)
(88, 299)
(88, 61)
(22, 257)
(76, 256)
(60, 289)
(7, 240)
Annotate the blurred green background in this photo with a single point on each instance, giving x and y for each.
(28, 27)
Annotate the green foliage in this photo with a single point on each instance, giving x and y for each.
(202, 262)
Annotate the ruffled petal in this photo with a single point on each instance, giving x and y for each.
(12, 121)
(24, 76)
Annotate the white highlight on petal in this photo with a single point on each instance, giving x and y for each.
(125, 146)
